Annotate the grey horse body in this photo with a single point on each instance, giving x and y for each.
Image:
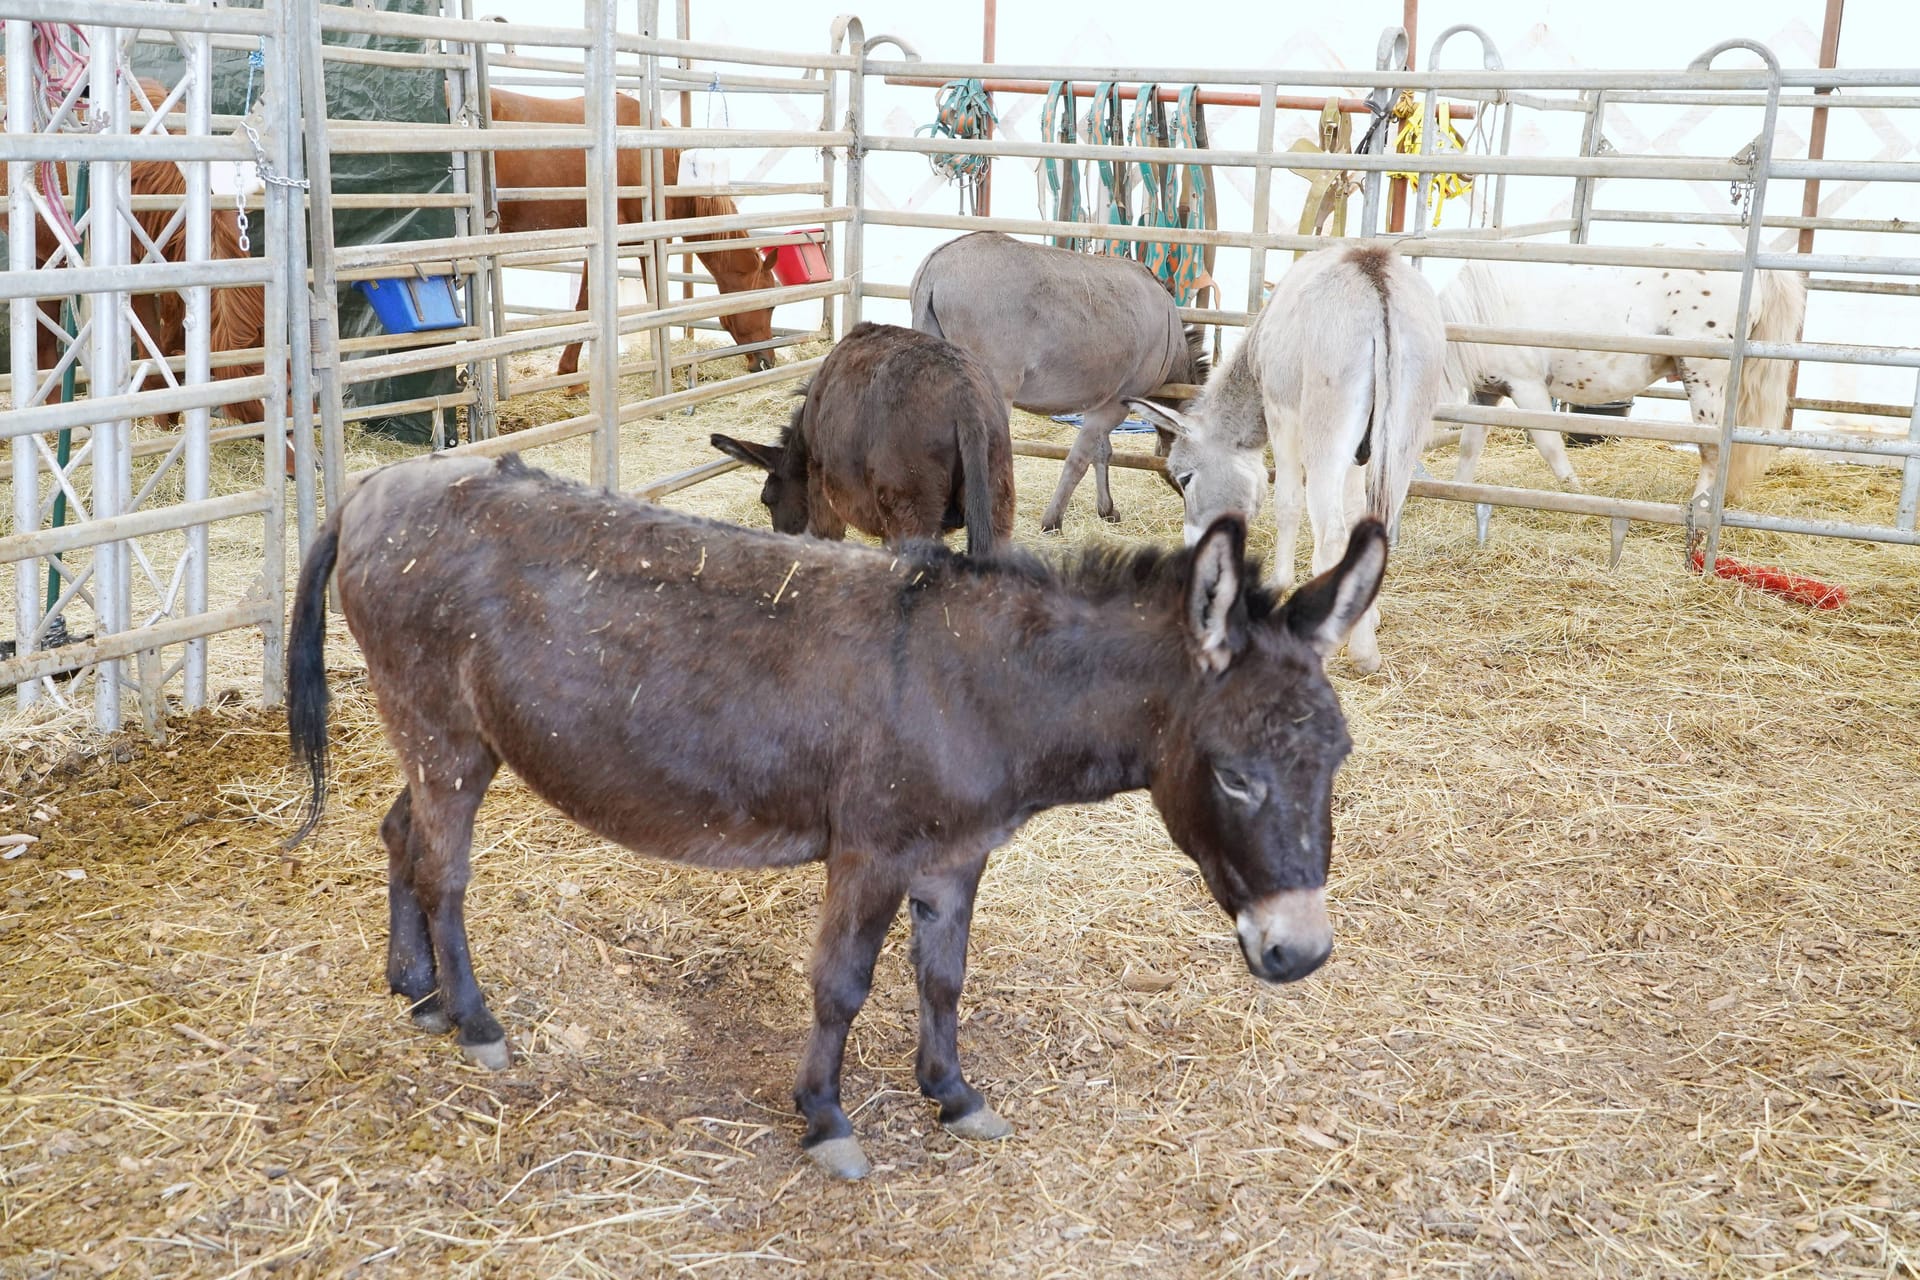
(1063, 332)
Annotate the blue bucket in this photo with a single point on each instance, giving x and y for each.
(412, 304)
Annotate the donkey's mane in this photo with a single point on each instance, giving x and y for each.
(1197, 357)
(1096, 574)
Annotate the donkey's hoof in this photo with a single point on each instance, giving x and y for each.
(841, 1158)
(1365, 666)
(1110, 516)
(1050, 527)
(492, 1055)
(983, 1125)
(431, 1018)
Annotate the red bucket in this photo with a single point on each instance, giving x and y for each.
(803, 263)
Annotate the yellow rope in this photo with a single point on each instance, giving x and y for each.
(1442, 187)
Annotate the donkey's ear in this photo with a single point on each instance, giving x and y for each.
(765, 456)
(1216, 605)
(1162, 419)
(1324, 611)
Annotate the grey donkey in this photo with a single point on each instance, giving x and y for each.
(1063, 332)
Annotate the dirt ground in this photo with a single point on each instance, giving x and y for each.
(1626, 978)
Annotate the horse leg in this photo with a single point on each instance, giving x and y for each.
(1706, 398)
(942, 907)
(862, 899)
(570, 358)
(1091, 446)
(1473, 440)
(1551, 444)
(439, 836)
(1288, 493)
(409, 948)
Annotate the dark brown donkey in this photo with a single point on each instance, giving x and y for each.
(901, 435)
(736, 698)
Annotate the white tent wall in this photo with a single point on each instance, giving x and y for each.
(1548, 35)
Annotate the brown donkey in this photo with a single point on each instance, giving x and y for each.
(737, 698)
(901, 435)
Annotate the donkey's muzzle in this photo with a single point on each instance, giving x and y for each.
(1285, 936)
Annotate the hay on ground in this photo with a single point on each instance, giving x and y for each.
(1625, 980)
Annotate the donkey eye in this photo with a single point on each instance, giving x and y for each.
(1237, 786)
(1183, 479)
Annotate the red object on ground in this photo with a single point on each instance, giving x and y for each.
(803, 263)
(1807, 591)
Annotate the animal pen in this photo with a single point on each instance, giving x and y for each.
(134, 554)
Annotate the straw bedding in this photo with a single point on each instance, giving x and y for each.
(1625, 979)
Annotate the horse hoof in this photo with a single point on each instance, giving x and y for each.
(432, 1019)
(984, 1125)
(841, 1158)
(492, 1055)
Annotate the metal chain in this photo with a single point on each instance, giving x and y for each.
(1740, 190)
(256, 60)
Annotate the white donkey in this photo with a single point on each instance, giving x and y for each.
(1635, 301)
(1341, 370)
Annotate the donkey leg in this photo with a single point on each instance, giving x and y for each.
(440, 835)
(1363, 642)
(1287, 497)
(1091, 446)
(862, 899)
(409, 948)
(942, 907)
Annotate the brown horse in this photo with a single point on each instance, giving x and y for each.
(737, 698)
(901, 435)
(733, 270)
(238, 314)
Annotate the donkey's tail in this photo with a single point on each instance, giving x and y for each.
(922, 293)
(307, 672)
(1777, 311)
(1380, 442)
(977, 478)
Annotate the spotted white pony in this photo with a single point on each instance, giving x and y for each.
(1340, 371)
(1635, 301)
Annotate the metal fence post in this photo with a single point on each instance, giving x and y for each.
(1762, 168)
(108, 241)
(23, 316)
(603, 254)
(199, 331)
(324, 296)
(1389, 55)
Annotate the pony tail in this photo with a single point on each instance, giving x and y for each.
(1763, 403)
